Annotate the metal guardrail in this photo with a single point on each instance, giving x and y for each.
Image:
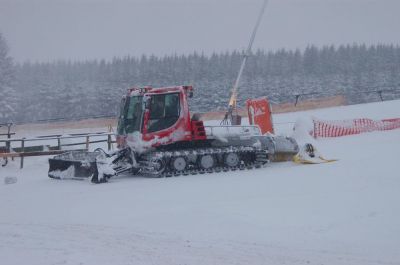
(25, 151)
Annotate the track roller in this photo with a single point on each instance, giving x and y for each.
(206, 161)
(178, 164)
(231, 160)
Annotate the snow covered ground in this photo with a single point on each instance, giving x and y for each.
(347, 212)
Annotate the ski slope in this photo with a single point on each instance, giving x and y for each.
(346, 212)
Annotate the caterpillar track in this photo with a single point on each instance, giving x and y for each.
(200, 161)
(100, 166)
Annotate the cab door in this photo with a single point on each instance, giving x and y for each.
(164, 121)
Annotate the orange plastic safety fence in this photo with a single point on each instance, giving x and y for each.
(355, 126)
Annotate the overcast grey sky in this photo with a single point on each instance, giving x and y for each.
(47, 30)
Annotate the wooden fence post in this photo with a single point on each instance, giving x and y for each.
(22, 150)
(109, 142)
(58, 142)
(8, 144)
(87, 142)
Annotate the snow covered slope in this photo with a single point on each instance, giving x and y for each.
(346, 212)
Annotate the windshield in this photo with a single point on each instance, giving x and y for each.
(131, 115)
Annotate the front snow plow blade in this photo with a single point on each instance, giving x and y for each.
(73, 165)
(98, 166)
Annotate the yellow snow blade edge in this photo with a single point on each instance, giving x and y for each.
(320, 160)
